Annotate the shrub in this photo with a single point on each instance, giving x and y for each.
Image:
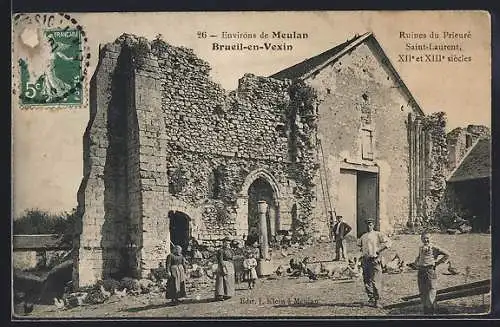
(55, 258)
(36, 221)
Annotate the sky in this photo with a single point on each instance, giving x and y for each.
(47, 158)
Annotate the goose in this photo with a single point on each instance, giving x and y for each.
(59, 303)
(121, 293)
(135, 292)
(327, 270)
(394, 265)
(81, 298)
(105, 293)
(412, 265)
(311, 274)
(28, 307)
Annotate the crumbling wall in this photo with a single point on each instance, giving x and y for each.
(163, 137)
(215, 139)
(103, 194)
(436, 161)
(460, 140)
(150, 223)
(469, 198)
(303, 127)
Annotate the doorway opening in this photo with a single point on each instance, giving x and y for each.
(180, 230)
(260, 190)
(366, 200)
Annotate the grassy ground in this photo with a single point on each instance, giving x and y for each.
(324, 297)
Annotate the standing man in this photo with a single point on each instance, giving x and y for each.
(426, 262)
(372, 244)
(340, 231)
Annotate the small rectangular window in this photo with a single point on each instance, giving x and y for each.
(367, 144)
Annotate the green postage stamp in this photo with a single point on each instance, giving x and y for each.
(51, 61)
(60, 81)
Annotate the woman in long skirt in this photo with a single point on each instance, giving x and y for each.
(176, 274)
(224, 282)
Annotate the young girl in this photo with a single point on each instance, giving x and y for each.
(250, 274)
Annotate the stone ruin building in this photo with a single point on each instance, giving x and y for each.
(460, 140)
(169, 154)
(468, 182)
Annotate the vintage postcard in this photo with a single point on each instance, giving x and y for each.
(251, 164)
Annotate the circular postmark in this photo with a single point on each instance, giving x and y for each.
(51, 58)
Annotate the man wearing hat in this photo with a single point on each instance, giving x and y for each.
(372, 244)
(340, 231)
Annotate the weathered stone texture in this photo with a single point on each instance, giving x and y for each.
(91, 195)
(164, 138)
(436, 153)
(24, 260)
(358, 94)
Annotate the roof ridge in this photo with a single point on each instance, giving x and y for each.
(305, 68)
(466, 155)
(317, 60)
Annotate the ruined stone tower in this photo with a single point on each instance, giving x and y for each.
(168, 155)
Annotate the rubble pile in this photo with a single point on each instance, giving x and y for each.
(458, 225)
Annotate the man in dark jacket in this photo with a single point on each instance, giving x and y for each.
(340, 231)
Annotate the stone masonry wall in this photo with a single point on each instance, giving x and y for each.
(162, 138)
(436, 160)
(213, 141)
(457, 142)
(356, 93)
(102, 197)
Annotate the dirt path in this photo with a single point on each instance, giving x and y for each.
(301, 297)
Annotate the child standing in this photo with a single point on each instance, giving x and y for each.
(250, 274)
(426, 261)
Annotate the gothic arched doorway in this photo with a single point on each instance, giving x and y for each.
(180, 229)
(259, 190)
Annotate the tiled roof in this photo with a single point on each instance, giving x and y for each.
(476, 163)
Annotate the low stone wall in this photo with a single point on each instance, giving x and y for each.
(24, 260)
(42, 251)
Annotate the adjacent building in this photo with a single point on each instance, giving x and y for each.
(169, 154)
